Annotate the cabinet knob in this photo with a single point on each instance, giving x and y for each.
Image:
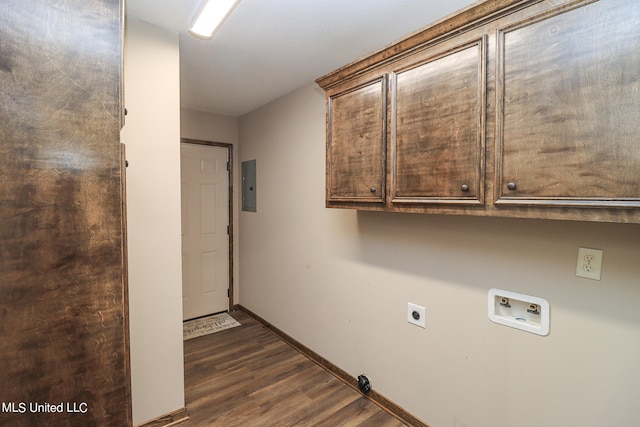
(512, 186)
(373, 189)
(464, 188)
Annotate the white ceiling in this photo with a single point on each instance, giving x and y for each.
(268, 48)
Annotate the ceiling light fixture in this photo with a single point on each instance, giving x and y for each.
(211, 17)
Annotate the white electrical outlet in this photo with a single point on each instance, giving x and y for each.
(589, 263)
(417, 315)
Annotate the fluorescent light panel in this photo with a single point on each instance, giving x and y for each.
(211, 17)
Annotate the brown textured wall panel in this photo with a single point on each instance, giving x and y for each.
(62, 299)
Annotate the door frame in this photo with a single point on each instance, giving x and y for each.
(229, 148)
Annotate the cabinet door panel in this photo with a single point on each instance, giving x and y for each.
(438, 128)
(64, 308)
(568, 110)
(357, 146)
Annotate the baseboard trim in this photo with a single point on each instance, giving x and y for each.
(171, 419)
(381, 401)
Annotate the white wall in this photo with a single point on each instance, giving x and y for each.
(339, 282)
(152, 137)
(203, 126)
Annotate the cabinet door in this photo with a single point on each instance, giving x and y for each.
(63, 296)
(356, 149)
(568, 110)
(438, 127)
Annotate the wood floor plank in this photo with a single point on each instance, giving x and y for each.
(351, 415)
(380, 419)
(335, 397)
(247, 376)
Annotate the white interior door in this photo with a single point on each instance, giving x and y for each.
(205, 220)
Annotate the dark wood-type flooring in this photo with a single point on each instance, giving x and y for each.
(246, 376)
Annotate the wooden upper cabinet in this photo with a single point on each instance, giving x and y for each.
(569, 107)
(509, 108)
(357, 142)
(438, 127)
